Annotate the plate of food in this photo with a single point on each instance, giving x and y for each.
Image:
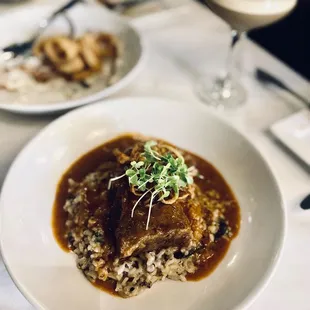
(84, 55)
(140, 203)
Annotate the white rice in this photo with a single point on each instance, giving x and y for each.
(134, 274)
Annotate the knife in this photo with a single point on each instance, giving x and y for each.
(266, 78)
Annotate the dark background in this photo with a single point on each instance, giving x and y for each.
(289, 39)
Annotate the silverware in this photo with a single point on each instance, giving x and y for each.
(267, 78)
(121, 6)
(17, 49)
(305, 204)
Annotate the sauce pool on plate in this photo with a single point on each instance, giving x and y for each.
(217, 192)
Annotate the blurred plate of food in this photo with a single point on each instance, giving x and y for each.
(89, 55)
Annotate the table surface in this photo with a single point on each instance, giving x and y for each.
(181, 45)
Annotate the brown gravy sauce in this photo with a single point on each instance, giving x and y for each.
(212, 180)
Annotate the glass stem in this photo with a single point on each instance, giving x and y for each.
(235, 37)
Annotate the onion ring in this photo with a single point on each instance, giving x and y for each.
(73, 66)
(60, 49)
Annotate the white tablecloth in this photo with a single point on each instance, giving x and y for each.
(183, 44)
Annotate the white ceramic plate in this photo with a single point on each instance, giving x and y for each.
(22, 23)
(48, 277)
(294, 132)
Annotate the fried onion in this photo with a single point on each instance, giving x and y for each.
(77, 59)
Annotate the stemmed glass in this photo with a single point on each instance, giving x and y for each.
(242, 15)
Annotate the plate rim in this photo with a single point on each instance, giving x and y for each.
(65, 105)
(263, 282)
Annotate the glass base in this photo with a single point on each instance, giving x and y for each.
(220, 92)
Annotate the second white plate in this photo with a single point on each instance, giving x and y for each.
(294, 132)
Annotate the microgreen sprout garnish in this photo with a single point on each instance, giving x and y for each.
(161, 176)
(115, 179)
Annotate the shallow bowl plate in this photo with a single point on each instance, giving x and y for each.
(23, 23)
(48, 277)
